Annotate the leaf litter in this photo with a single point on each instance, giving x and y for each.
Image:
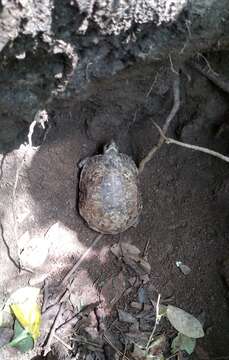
(131, 256)
(144, 337)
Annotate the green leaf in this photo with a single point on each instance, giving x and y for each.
(18, 329)
(22, 340)
(183, 342)
(184, 322)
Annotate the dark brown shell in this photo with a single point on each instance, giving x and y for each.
(109, 198)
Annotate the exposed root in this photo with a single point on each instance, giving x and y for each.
(8, 249)
(215, 78)
(171, 65)
(175, 108)
(205, 150)
(41, 117)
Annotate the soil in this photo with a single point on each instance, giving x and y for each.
(185, 197)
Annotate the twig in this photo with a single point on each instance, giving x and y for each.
(74, 317)
(62, 342)
(173, 356)
(192, 147)
(115, 348)
(124, 353)
(175, 108)
(47, 346)
(8, 249)
(187, 23)
(81, 259)
(208, 64)
(145, 251)
(79, 314)
(151, 87)
(157, 320)
(171, 65)
(60, 298)
(45, 297)
(215, 79)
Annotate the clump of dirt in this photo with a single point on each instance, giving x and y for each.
(185, 211)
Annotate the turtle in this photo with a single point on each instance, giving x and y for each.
(109, 196)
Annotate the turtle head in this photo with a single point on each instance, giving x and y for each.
(111, 148)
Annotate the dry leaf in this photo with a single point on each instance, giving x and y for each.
(184, 322)
(126, 317)
(131, 256)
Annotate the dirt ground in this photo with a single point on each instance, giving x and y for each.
(185, 199)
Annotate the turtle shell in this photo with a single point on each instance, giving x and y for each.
(109, 197)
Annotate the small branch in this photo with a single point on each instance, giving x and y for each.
(157, 320)
(175, 108)
(192, 147)
(81, 259)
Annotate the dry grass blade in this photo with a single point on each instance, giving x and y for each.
(62, 342)
(124, 357)
(157, 319)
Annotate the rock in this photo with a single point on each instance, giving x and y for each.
(33, 251)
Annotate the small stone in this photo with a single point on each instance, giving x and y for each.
(184, 268)
(33, 251)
